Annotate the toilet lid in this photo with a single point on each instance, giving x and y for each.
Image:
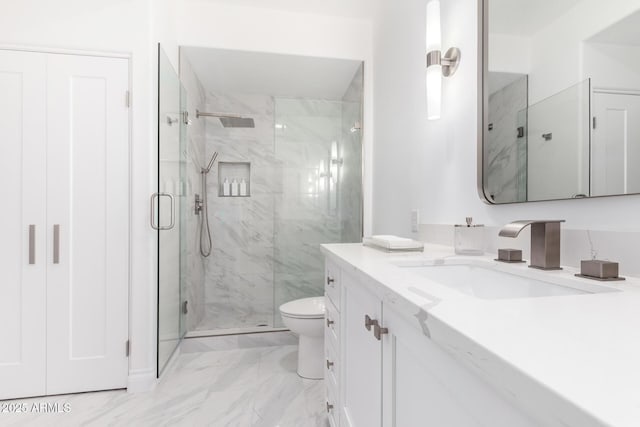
(305, 308)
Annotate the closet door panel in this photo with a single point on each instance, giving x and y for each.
(88, 208)
(22, 260)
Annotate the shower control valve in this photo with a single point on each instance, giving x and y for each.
(198, 204)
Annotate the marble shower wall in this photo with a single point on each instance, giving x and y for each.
(506, 153)
(239, 272)
(194, 276)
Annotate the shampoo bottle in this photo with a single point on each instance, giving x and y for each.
(234, 187)
(226, 188)
(243, 187)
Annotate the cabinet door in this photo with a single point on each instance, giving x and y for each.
(23, 177)
(424, 386)
(87, 223)
(361, 398)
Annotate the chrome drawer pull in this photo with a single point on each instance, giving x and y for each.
(329, 364)
(329, 407)
(369, 322)
(378, 331)
(330, 322)
(330, 280)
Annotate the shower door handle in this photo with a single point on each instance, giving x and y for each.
(172, 223)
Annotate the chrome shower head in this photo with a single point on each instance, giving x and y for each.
(229, 120)
(237, 122)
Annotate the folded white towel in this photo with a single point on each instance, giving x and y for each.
(393, 242)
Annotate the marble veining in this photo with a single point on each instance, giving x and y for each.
(506, 168)
(242, 381)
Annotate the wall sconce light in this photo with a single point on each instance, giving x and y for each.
(437, 65)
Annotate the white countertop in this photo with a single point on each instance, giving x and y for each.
(574, 360)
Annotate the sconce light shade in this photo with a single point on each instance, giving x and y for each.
(434, 34)
(437, 66)
(434, 92)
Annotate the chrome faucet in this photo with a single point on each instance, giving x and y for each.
(545, 241)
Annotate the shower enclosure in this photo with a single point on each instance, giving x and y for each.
(287, 178)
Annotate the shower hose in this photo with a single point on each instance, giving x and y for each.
(205, 231)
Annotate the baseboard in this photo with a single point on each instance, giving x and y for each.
(142, 380)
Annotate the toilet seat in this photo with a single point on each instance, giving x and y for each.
(305, 308)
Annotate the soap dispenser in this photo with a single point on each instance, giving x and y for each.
(469, 238)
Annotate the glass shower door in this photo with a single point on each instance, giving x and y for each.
(170, 209)
(319, 147)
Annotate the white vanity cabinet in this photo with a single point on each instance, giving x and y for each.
(393, 375)
(361, 380)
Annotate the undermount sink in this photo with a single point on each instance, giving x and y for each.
(485, 280)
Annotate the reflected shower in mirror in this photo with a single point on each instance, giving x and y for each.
(561, 112)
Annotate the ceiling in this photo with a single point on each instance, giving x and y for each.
(624, 32)
(525, 17)
(346, 8)
(242, 72)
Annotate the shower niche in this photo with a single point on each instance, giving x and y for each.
(234, 179)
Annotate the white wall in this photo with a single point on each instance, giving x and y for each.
(226, 26)
(509, 53)
(557, 45)
(432, 165)
(612, 66)
(122, 26)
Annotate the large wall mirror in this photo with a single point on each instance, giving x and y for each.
(561, 99)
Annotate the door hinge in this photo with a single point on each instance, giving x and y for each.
(127, 99)
(128, 348)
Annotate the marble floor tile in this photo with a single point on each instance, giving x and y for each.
(243, 381)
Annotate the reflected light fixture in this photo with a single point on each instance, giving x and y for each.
(437, 65)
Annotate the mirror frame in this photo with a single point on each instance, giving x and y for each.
(483, 101)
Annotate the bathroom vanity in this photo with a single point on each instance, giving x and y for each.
(442, 340)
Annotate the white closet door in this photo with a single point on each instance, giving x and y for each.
(22, 176)
(615, 147)
(88, 203)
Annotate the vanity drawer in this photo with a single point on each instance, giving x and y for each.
(331, 324)
(332, 282)
(332, 367)
(333, 411)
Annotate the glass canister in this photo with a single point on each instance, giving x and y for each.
(469, 238)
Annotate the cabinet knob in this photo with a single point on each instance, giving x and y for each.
(329, 407)
(330, 280)
(330, 322)
(329, 364)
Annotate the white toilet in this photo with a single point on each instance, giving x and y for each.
(305, 317)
